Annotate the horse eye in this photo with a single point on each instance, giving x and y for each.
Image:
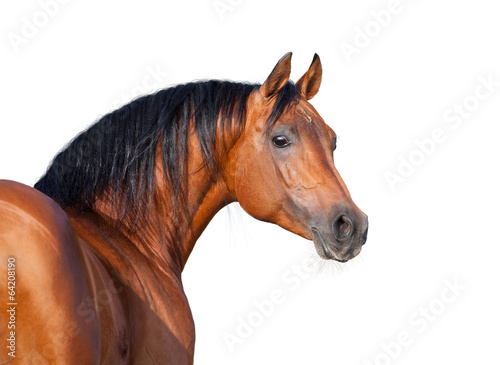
(281, 141)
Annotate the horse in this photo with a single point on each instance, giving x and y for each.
(97, 248)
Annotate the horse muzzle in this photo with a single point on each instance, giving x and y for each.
(343, 239)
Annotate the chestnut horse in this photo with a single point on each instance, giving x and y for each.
(99, 245)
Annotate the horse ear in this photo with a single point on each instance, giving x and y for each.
(308, 85)
(278, 77)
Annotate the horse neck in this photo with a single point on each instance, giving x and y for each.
(164, 239)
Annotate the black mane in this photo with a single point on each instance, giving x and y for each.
(116, 155)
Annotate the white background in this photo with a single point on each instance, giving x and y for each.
(440, 224)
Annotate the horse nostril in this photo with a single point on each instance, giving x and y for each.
(342, 227)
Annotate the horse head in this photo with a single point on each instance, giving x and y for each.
(283, 170)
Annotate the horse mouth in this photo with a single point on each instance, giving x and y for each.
(326, 251)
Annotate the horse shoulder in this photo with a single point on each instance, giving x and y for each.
(51, 282)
